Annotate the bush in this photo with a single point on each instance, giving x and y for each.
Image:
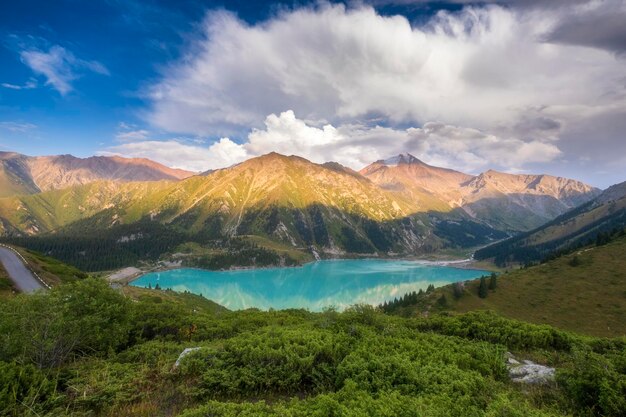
(82, 318)
(596, 383)
(25, 389)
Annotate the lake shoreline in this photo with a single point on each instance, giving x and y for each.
(127, 275)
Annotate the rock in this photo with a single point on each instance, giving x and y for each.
(529, 372)
(184, 353)
(512, 361)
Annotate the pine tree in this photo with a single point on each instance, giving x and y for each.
(493, 281)
(575, 261)
(482, 289)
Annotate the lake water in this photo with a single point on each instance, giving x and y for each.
(338, 283)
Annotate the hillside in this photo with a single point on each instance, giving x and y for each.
(584, 292)
(577, 227)
(21, 174)
(504, 201)
(85, 349)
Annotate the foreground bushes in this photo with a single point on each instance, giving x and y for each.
(84, 349)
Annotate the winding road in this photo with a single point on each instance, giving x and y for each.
(21, 276)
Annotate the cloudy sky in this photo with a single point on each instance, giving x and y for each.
(514, 85)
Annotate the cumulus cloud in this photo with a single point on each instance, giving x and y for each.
(353, 145)
(480, 67)
(511, 84)
(176, 154)
(59, 66)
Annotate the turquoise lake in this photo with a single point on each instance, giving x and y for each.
(314, 286)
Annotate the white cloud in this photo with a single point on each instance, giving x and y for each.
(132, 135)
(482, 67)
(29, 85)
(353, 145)
(17, 126)
(462, 148)
(180, 155)
(59, 66)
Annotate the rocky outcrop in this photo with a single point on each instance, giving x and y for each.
(528, 372)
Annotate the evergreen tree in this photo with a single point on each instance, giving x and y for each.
(575, 261)
(493, 281)
(482, 289)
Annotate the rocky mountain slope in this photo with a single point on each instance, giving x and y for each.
(21, 174)
(504, 201)
(579, 226)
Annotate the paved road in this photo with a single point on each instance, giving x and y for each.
(23, 279)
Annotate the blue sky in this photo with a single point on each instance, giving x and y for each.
(509, 85)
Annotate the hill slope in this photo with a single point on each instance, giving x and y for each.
(584, 292)
(21, 174)
(574, 228)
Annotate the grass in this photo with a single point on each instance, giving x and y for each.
(188, 300)
(586, 295)
(6, 285)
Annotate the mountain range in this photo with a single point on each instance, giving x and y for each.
(504, 201)
(399, 205)
(21, 174)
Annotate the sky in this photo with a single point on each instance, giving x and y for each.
(521, 86)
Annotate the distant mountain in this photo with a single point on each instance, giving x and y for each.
(407, 174)
(582, 225)
(288, 199)
(504, 201)
(20, 174)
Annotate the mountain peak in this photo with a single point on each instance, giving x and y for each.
(403, 158)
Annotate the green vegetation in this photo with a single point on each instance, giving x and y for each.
(85, 349)
(6, 285)
(584, 291)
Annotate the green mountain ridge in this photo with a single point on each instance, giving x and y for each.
(578, 227)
